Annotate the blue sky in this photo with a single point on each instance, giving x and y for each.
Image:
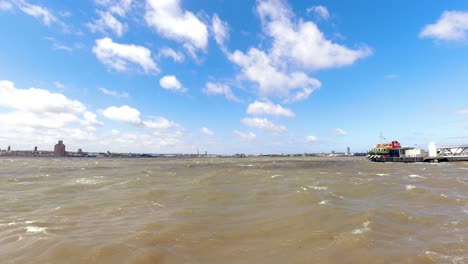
(265, 76)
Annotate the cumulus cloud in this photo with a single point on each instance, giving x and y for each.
(220, 89)
(339, 132)
(268, 108)
(451, 26)
(124, 114)
(172, 22)
(37, 11)
(90, 119)
(38, 116)
(107, 21)
(245, 136)
(310, 139)
(297, 47)
(37, 100)
(113, 93)
(302, 41)
(220, 30)
(168, 52)
(119, 56)
(170, 82)
(206, 131)
(119, 7)
(258, 67)
(130, 115)
(319, 11)
(160, 123)
(5, 5)
(263, 124)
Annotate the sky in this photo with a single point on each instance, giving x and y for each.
(251, 76)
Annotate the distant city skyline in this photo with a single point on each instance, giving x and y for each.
(258, 76)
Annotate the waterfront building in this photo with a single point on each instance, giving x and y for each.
(348, 151)
(59, 149)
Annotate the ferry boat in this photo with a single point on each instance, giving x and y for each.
(384, 148)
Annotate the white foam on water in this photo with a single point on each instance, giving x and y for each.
(158, 204)
(382, 174)
(444, 195)
(364, 228)
(246, 165)
(304, 188)
(416, 176)
(35, 229)
(409, 187)
(275, 176)
(323, 202)
(12, 224)
(318, 188)
(336, 195)
(86, 181)
(444, 258)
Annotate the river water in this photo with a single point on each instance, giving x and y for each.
(228, 210)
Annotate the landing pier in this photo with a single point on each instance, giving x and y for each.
(436, 154)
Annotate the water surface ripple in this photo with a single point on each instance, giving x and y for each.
(226, 210)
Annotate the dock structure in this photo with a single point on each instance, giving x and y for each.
(436, 154)
(449, 153)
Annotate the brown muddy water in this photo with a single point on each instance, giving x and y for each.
(220, 210)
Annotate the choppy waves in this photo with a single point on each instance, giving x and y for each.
(255, 210)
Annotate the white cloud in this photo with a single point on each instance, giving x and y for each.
(131, 116)
(37, 11)
(319, 11)
(302, 42)
(298, 46)
(160, 123)
(170, 82)
(452, 25)
(245, 136)
(37, 116)
(339, 132)
(220, 89)
(310, 139)
(107, 21)
(5, 5)
(257, 67)
(206, 131)
(171, 21)
(263, 124)
(119, 7)
(220, 30)
(90, 119)
(118, 56)
(268, 108)
(124, 114)
(168, 52)
(37, 100)
(113, 93)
